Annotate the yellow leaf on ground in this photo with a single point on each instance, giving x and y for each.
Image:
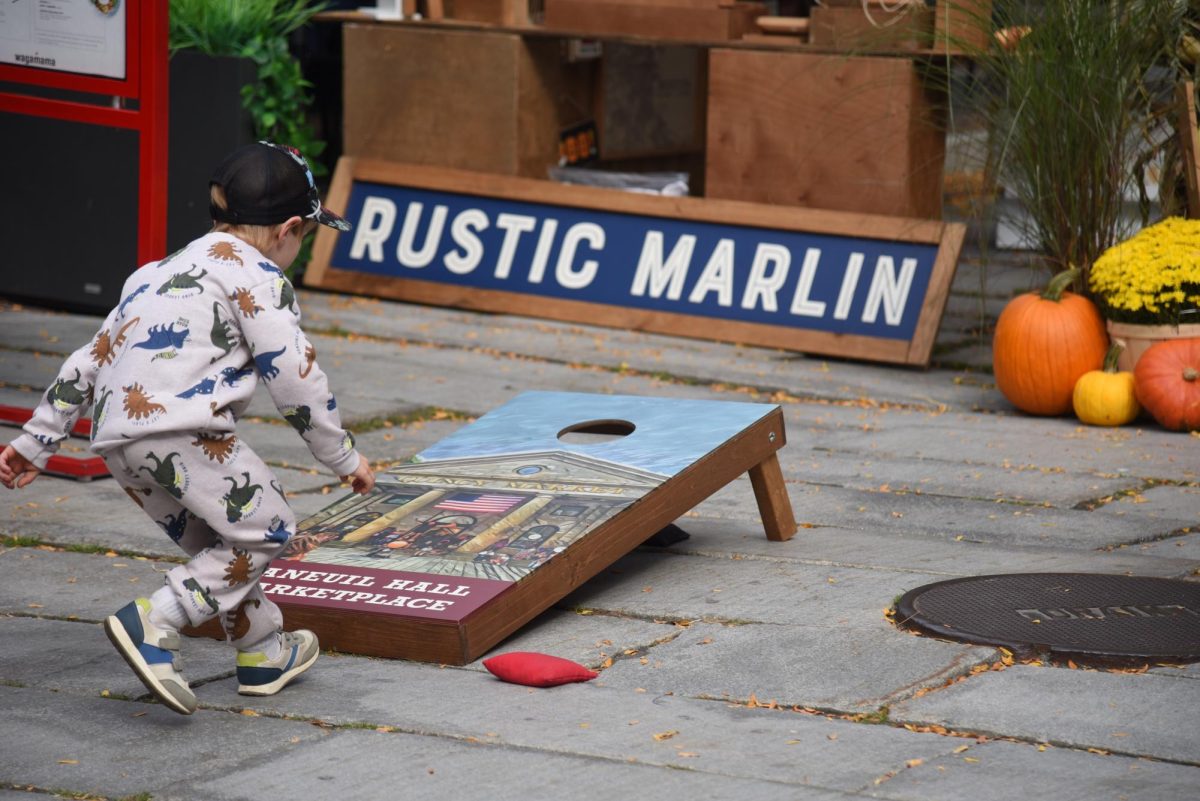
(68, 761)
(666, 735)
(912, 763)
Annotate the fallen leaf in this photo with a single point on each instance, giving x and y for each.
(250, 713)
(912, 763)
(688, 754)
(68, 761)
(961, 748)
(665, 735)
(972, 760)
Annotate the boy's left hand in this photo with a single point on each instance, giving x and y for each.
(15, 470)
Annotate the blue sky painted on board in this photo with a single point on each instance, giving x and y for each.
(670, 433)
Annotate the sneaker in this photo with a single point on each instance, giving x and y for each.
(258, 675)
(153, 653)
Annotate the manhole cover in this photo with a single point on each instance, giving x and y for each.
(1079, 616)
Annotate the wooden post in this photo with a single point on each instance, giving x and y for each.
(1189, 144)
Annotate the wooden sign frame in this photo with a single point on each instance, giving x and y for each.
(936, 245)
(338, 578)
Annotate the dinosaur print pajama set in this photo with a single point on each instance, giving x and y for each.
(168, 374)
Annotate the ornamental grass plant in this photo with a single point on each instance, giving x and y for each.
(1074, 96)
(1152, 278)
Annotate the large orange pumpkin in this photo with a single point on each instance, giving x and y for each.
(1044, 342)
(1167, 382)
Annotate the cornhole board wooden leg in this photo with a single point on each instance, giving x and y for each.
(82, 468)
(488, 528)
(774, 506)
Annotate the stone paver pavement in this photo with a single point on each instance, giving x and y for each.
(730, 666)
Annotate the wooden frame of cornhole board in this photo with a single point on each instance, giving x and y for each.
(491, 526)
(860, 286)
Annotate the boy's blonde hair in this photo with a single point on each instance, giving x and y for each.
(259, 237)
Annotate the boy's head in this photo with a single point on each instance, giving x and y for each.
(264, 193)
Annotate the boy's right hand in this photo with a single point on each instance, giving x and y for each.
(362, 480)
(16, 471)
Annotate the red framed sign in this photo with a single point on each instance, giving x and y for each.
(115, 50)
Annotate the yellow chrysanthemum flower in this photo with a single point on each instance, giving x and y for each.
(1152, 277)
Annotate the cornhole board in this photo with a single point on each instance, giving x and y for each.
(486, 529)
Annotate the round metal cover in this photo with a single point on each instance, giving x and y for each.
(1085, 617)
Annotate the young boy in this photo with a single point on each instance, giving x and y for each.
(169, 372)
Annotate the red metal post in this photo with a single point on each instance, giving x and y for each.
(152, 153)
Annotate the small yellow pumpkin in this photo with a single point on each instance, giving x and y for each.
(1106, 397)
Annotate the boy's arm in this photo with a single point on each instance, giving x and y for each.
(286, 363)
(64, 400)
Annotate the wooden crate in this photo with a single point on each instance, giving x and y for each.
(510, 13)
(679, 20)
(480, 100)
(849, 28)
(963, 25)
(823, 131)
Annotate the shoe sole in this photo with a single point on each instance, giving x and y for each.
(279, 683)
(129, 652)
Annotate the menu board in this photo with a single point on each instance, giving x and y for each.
(80, 36)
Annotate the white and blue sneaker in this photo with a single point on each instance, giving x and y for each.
(258, 674)
(153, 653)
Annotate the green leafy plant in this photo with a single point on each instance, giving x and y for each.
(257, 29)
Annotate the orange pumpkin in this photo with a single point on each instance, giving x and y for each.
(1167, 382)
(1043, 343)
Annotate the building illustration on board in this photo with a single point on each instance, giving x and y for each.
(490, 517)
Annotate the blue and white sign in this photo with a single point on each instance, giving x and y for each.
(834, 284)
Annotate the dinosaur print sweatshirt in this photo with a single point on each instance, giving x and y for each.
(183, 352)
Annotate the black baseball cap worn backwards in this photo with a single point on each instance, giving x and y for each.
(267, 184)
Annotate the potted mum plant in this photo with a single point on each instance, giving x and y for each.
(1148, 286)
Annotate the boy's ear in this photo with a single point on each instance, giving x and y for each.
(292, 223)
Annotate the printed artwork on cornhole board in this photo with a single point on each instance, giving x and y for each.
(492, 525)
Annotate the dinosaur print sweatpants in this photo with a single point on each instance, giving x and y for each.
(223, 506)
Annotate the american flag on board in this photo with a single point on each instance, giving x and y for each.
(479, 503)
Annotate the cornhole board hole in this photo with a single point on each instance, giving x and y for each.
(486, 529)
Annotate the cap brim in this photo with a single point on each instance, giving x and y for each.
(326, 217)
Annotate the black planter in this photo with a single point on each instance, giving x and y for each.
(207, 122)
